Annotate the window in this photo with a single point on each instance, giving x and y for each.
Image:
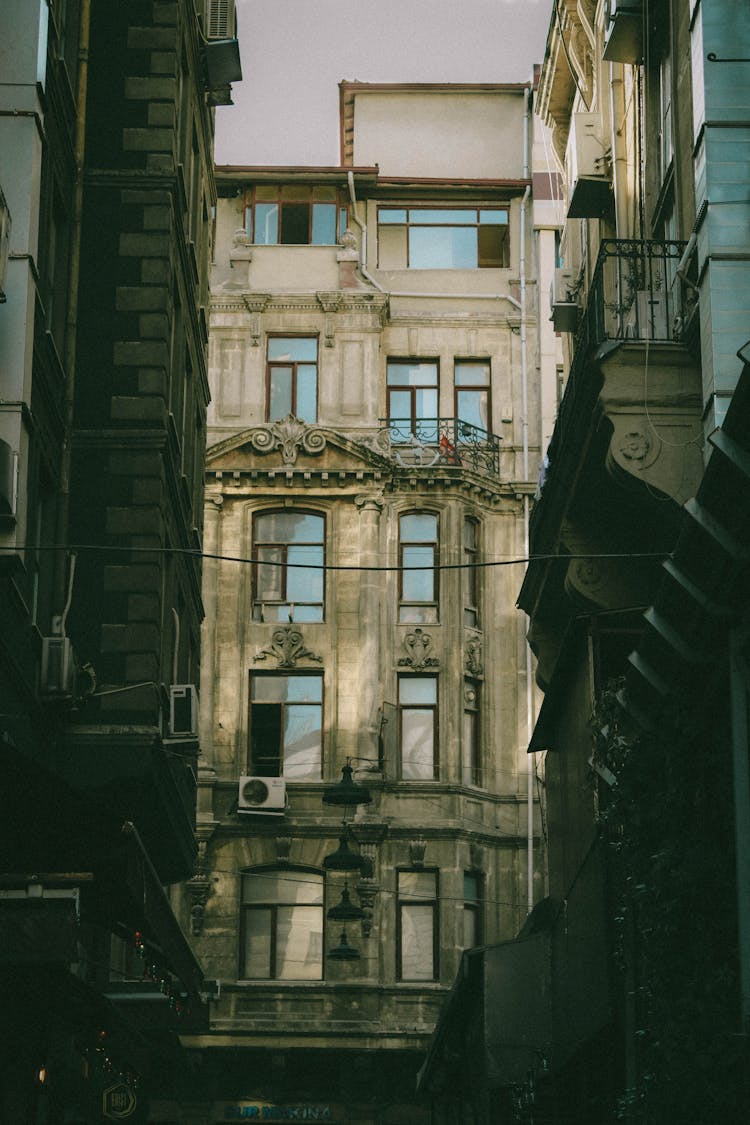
(417, 701)
(412, 399)
(418, 579)
(281, 928)
(665, 115)
(417, 925)
(295, 215)
(472, 910)
(286, 725)
(292, 378)
(281, 590)
(470, 572)
(472, 392)
(472, 765)
(443, 238)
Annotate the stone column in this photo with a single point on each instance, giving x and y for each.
(370, 506)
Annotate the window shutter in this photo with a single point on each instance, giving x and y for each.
(220, 19)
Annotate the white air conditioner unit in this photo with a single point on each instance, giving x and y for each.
(4, 243)
(219, 20)
(183, 711)
(623, 36)
(647, 317)
(266, 795)
(564, 300)
(58, 674)
(587, 168)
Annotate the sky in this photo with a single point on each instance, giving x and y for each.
(295, 53)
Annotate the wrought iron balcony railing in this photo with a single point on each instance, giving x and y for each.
(633, 294)
(423, 442)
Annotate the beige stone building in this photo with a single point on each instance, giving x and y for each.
(373, 443)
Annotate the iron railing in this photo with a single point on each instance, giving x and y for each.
(423, 442)
(633, 294)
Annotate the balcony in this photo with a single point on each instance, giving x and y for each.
(429, 442)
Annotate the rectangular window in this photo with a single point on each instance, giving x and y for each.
(282, 925)
(417, 925)
(417, 700)
(472, 392)
(472, 763)
(286, 725)
(292, 378)
(418, 575)
(412, 399)
(283, 591)
(446, 238)
(295, 214)
(470, 573)
(472, 910)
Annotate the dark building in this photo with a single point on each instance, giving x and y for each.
(106, 131)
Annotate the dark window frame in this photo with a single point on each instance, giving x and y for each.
(434, 708)
(470, 584)
(271, 364)
(246, 908)
(403, 546)
(434, 903)
(481, 389)
(409, 224)
(475, 906)
(253, 759)
(472, 763)
(256, 602)
(339, 203)
(412, 389)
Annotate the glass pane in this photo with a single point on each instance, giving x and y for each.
(417, 884)
(304, 585)
(462, 215)
(307, 393)
(492, 247)
(392, 215)
(392, 248)
(302, 614)
(426, 405)
(298, 349)
(324, 224)
(417, 951)
(282, 886)
(295, 191)
(419, 527)
(471, 928)
(279, 689)
(471, 406)
(266, 223)
(417, 689)
(399, 408)
(281, 393)
(470, 534)
(302, 740)
(412, 374)
(442, 248)
(418, 585)
(269, 578)
(494, 218)
(417, 744)
(472, 374)
(257, 951)
(299, 943)
(421, 613)
(289, 527)
(342, 220)
(471, 888)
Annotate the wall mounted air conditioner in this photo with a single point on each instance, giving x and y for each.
(183, 711)
(587, 168)
(219, 22)
(623, 36)
(58, 673)
(4, 244)
(266, 795)
(563, 300)
(647, 318)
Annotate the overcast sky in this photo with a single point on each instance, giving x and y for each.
(295, 53)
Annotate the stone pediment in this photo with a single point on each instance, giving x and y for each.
(291, 444)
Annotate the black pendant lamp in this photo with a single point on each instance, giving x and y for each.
(346, 791)
(346, 910)
(343, 951)
(344, 859)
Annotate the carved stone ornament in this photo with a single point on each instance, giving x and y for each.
(287, 647)
(635, 446)
(418, 645)
(198, 890)
(289, 435)
(283, 848)
(417, 848)
(473, 657)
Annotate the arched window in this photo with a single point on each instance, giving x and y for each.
(283, 591)
(281, 924)
(418, 550)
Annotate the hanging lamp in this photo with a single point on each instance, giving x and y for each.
(345, 910)
(347, 791)
(343, 951)
(344, 858)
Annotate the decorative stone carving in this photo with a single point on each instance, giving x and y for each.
(283, 849)
(198, 889)
(372, 500)
(417, 848)
(635, 445)
(477, 856)
(289, 435)
(418, 645)
(330, 303)
(367, 889)
(473, 657)
(368, 835)
(287, 647)
(348, 240)
(255, 303)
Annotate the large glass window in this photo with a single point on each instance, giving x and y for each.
(292, 378)
(446, 238)
(281, 925)
(412, 399)
(472, 910)
(417, 701)
(472, 392)
(417, 925)
(286, 725)
(418, 575)
(288, 549)
(295, 214)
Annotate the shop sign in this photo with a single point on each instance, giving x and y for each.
(119, 1102)
(249, 1111)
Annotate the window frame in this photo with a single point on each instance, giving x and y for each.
(428, 434)
(257, 603)
(410, 224)
(403, 546)
(482, 390)
(295, 364)
(471, 756)
(433, 708)
(474, 906)
(470, 590)
(434, 904)
(339, 203)
(252, 759)
(246, 908)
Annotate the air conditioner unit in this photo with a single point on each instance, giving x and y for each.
(647, 318)
(219, 22)
(587, 168)
(265, 795)
(4, 243)
(183, 711)
(623, 37)
(58, 674)
(563, 300)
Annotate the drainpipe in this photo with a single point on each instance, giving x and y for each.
(619, 158)
(530, 758)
